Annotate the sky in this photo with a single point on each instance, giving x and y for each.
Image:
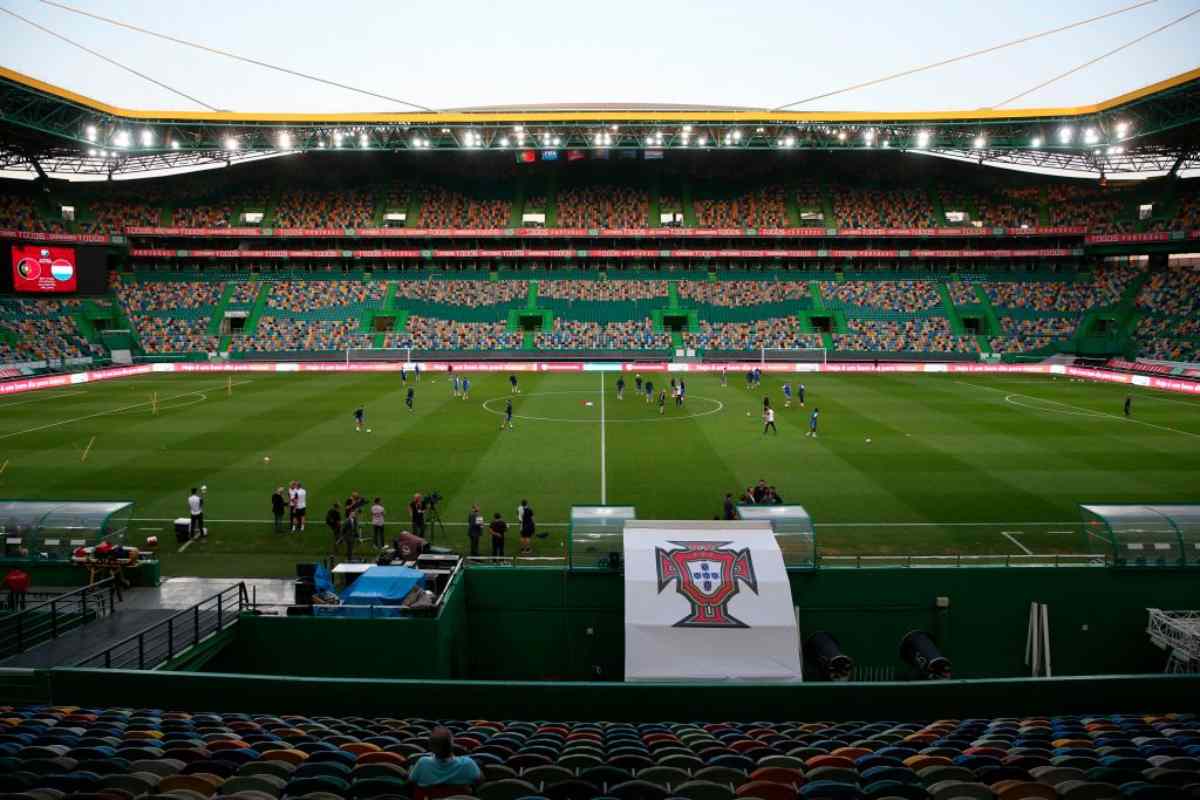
(448, 54)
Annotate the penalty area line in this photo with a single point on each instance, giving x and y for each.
(1012, 537)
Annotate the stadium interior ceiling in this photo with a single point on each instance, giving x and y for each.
(48, 130)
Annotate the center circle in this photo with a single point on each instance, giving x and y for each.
(712, 407)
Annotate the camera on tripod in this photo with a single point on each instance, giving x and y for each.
(431, 500)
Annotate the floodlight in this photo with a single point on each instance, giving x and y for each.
(687, 128)
(1090, 136)
(90, 133)
(445, 130)
(980, 142)
(703, 141)
(518, 128)
(887, 143)
(174, 144)
(147, 137)
(92, 151)
(285, 140)
(615, 128)
(231, 143)
(759, 130)
(363, 141)
(557, 141)
(869, 135)
(504, 141)
(789, 141)
(922, 138)
(121, 139)
(737, 135)
(1122, 129)
(841, 136)
(105, 153)
(1035, 142)
(1065, 134)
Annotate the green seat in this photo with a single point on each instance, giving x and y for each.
(279, 769)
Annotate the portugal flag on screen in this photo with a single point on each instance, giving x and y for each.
(37, 268)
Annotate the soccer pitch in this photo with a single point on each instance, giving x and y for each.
(955, 464)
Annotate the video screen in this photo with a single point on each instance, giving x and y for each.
(44, 269)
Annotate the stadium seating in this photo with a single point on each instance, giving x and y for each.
(281, 334)
(442, 208)
(465, 293)
(424, 333)
(215, 215)
(901, 296)
(920, 335)
(603, 206)
(171, 316)
(882, 207)
(1170, 327)
(126, 753)
(738, 293)
(43, 331)
(774, 332)
(303, 208)
(304, 296)
(1095, 208)
(114, 216)
(18, 212)
(764, 207)
(601, 291)
(962, 293)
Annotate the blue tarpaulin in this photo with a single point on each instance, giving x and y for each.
(383, 586)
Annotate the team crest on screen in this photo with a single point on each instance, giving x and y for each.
(707, 574)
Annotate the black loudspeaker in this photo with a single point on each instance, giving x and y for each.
(306, 572)
(918, 650)
(304, 593)
(825, 659)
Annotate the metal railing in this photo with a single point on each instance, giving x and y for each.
(163, 641)
(49, 619)
(964, 560)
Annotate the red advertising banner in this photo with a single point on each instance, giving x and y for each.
(612, 254)
(1123, 238)
(40, 268)
(605, 233)
(40, 236)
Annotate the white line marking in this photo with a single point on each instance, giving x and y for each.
(1061, 533)
(1009, 535)
(717, 408)
(603, 466)
(42, 398)
(272, 522)
(110, 411)
(1080, 411)
(185, 545)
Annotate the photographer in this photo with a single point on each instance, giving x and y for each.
(498, 528)
(416, 510)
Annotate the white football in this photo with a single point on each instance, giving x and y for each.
(266, 459)
(868, 440)
(368, 430)
(204, 488)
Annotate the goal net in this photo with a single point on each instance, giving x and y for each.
(805, 355)
(361, 354)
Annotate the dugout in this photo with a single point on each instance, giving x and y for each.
(40, 536)
(1146, 535)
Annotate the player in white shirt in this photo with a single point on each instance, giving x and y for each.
(301, 506)
(769, 420)
(196, 511)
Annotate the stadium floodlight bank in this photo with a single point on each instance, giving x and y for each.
(792, 355)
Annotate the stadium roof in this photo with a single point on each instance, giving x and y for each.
(48, 129)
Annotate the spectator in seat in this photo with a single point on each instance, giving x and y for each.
(441, 773)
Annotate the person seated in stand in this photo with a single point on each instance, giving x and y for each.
(441, 773)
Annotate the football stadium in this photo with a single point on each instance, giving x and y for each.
(584, 449)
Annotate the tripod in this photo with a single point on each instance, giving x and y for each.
(434, 521)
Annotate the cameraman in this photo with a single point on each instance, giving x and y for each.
(417, 510)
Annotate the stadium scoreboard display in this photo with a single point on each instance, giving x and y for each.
(50, 269)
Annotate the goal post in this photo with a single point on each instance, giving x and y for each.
(787, 355)
(363, 354)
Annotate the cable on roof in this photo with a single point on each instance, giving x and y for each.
(114, 62)
(1098, 58)
(236, 57)
(962, 57)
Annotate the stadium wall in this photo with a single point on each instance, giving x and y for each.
(548, 624)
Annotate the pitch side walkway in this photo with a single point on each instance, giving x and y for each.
(141, 609)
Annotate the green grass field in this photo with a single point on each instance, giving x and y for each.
(955, 464)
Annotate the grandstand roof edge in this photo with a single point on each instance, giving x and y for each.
(674, 113)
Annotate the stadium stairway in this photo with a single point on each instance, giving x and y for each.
(517, 212)
(814, 289)
(260, 305)
(827, 209)
(939, 209)
(989, 310)
(793, 209)
(956, 323)
(218, 316)
(551, 209)
(685, 199)
(654, 212)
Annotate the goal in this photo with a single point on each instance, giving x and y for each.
(803, 355)
(360, 354)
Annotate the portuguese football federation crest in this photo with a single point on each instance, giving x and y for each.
(707, 574)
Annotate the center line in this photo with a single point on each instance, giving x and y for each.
(603, 469)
